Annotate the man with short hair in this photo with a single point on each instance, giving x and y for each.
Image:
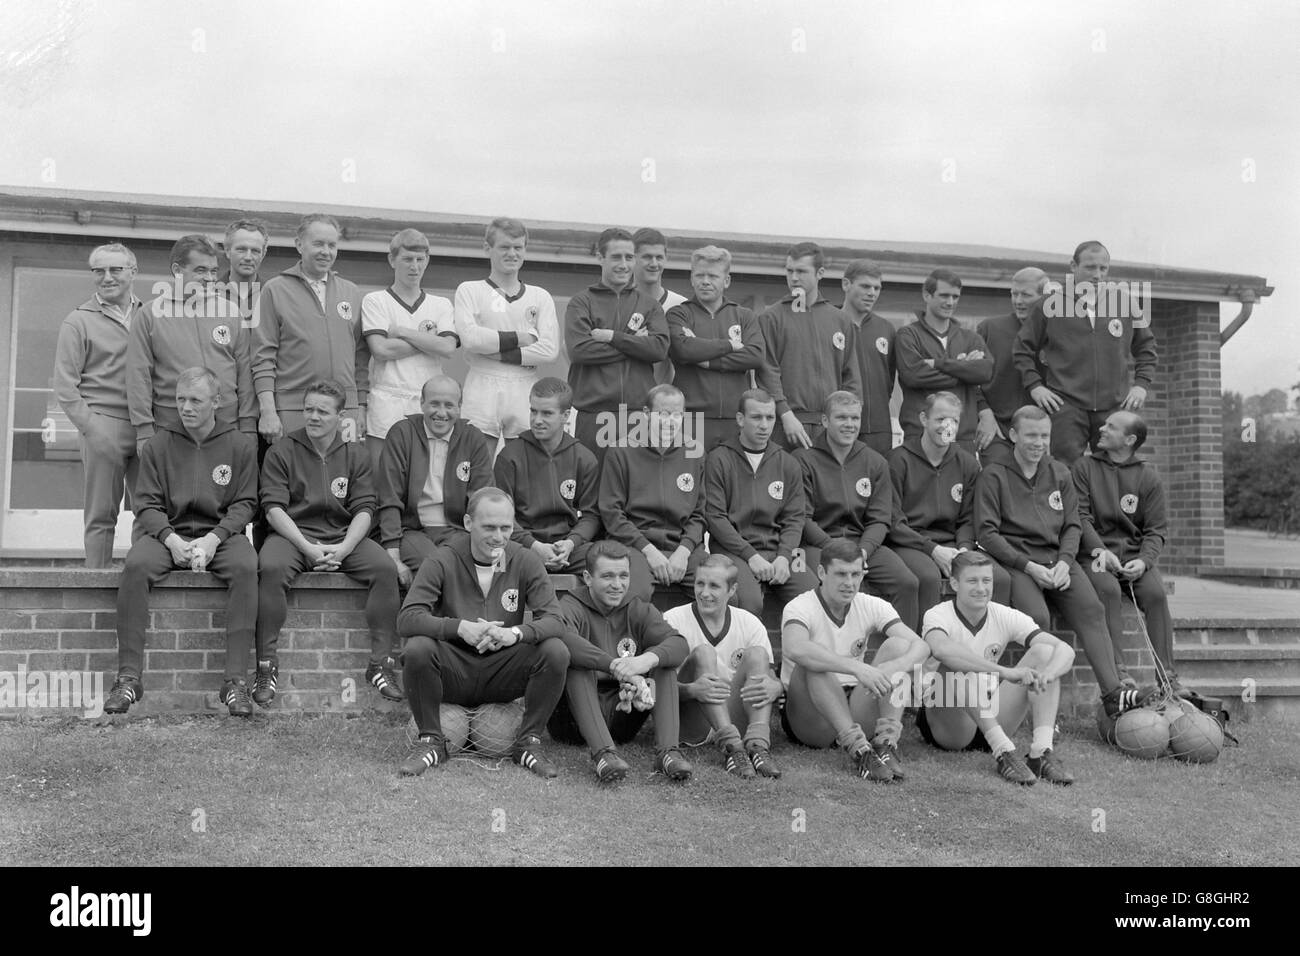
(614, 334)
(715, 346)
(652, 499)
(832, 693)
(971, 699)
(850, 496)
(1122, 512)
(309, 329)
(197, 491)
(554, 481)
(621, 652)
(467, 639)
(726, 685)
(754, 506)
(319, 498)
(1027, 519)
(90, 387)
(809, 349)
(875, 347)
(190, 325)
(934, 502)
(936, 353)
(433, 462)
(1098, 353)
(409, 333)
(508, 329)
(245, 246)
(651, 250)
(1005, 392)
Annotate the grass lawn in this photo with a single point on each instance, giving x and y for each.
(324, 792)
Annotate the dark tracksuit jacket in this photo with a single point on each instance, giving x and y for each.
(295, 343)
(194, 489)
(710, 374)
(877, 366)
(321, 494)
(749, 512)
(1019, 519)
(593, 633)
(446, 591)
(1006, 391)
(933, 506)
(653, 496)
(404, 467)
(556, 496)
(1121, 508)
(604, 375)
(167, 337)
(854, 500)
(808, 355)
(1088, 365)
(917, 342)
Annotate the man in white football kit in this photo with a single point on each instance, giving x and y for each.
(967, 636)
(725, 685)
(831, 691)
(409, 333)
(508, 329)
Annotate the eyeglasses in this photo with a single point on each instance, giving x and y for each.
(114, 271)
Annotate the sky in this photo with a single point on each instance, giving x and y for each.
(1171, 131)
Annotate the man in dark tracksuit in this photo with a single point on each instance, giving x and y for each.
(652, 500)
(319, 499)
(849, 495)
(617, 643)
(1006, 391)
(715, 346)
(809, 350)
(614, 335)
(934, 502)
(420, 506)
(554, 481)
(467, 641)
(1027, 519)
(1122, 511)
(754, 507)
(197, 490)
(1098, 356)
(935, 353)
(875, 346)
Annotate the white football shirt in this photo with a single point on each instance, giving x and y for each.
(395, 384)
(482, 311)
(741, 630)
(867, 614)
(989, 637)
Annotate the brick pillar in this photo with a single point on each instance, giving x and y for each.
(1188, 439)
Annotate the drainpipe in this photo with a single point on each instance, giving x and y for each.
(1248, 299)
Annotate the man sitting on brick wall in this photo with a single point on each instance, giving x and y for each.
(197, 490)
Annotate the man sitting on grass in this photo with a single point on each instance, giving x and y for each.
(831, 691)
(989, 701)
(726, 684)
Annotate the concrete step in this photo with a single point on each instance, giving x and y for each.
(1286, 578)
(1267, 699)
(1191, 632)
(1261, 662)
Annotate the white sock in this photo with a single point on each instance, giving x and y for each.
(1042, 741)
(998, 740)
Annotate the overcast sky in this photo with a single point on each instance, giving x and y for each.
(1169, 130)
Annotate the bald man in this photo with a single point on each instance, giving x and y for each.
(999, 399)
(432, 462)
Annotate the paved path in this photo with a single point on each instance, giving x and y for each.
(1194, 597)
(1243, 548)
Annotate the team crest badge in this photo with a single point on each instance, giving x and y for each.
(462, 471)
(427, 325)
(339, 487)
(1128, 504)
(626, 647)
(837, 340)
(1054, 501)
(1116, 327)
(736, 655)
(686, 481)
(221, 335)
(221, 475)
(882, 345)
(510, 600)
(531, 314)
(733, 333)
(345, 311)
(858, 647)
(776, 490)
(568, 488)
(636, 322)
(956, 492)
(993, 652)
(864, 487)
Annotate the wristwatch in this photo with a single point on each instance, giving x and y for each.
(519, 635)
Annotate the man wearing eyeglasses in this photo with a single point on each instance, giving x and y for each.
(90, 386)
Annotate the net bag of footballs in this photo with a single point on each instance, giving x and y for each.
(1194, 735)
(455, 728)
(493, 728)
(1142, 732)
